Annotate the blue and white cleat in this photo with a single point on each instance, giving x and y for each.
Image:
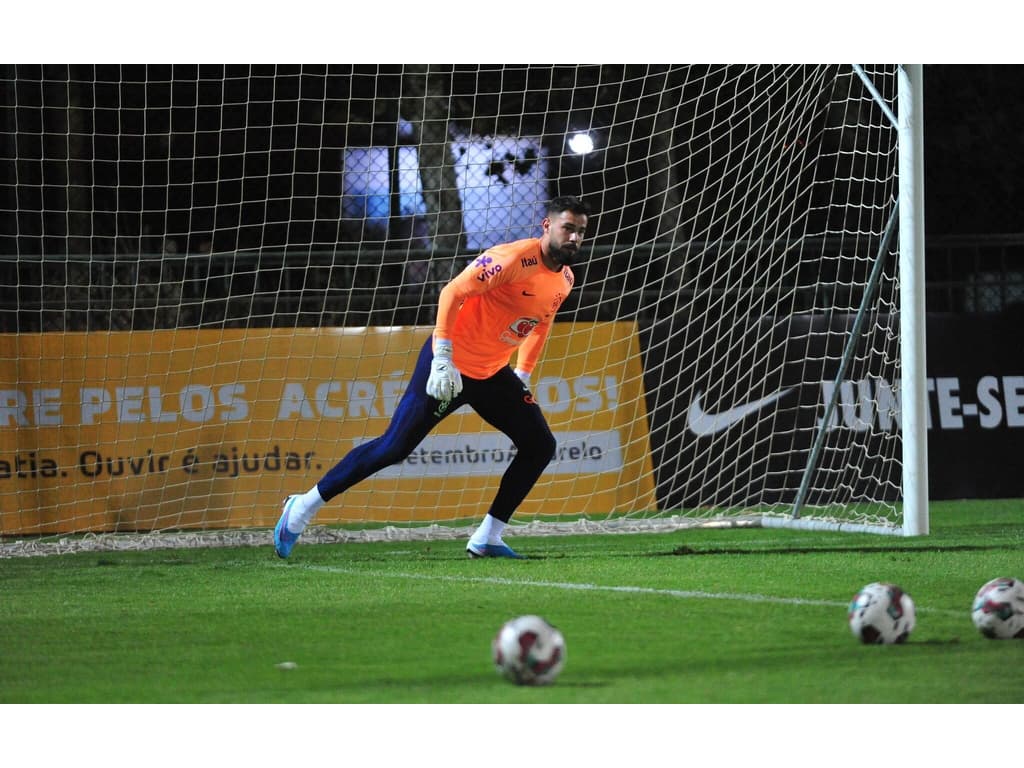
(284, 539)
(492, 550)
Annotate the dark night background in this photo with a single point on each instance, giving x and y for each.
(974, 149)
(240, 160)
(974, 144)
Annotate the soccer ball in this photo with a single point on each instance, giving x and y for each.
(998, 609)
(881, 613)
(528, 651)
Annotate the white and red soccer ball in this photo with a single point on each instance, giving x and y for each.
(881, 613)
(528, 651)
(998, 609)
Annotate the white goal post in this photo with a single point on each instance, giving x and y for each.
(219, 278)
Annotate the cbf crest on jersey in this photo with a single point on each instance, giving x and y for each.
(519, 330)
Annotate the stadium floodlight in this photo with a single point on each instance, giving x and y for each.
(581, 143)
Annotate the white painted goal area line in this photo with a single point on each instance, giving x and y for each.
(688, 594)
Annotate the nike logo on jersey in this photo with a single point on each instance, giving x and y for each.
(527, 293)
(704, 424)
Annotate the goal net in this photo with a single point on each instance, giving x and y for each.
(218, 279)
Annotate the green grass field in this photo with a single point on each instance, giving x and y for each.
(699, 616)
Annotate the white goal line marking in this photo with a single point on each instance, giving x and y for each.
(568, 585)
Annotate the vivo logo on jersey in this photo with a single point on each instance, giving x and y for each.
(488, 272)
(529, 262)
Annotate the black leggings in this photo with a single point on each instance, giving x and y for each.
(502, 401)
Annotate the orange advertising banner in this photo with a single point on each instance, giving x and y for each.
(199, 428)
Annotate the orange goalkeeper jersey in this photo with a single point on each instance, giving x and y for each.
(504, 300)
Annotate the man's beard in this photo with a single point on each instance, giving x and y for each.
(566, 257)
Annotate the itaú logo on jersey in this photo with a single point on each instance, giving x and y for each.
(519, 330)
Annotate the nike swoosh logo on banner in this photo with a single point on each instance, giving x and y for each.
(705, 424)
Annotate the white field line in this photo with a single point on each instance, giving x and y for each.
(687, 594)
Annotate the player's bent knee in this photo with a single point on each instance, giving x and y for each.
(539, 449)
(548, 447)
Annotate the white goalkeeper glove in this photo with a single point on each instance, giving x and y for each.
(523, 376)
(445, 382)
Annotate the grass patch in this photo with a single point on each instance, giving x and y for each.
(698, 616)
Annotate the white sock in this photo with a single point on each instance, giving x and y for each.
(304, 510)
(489, 532)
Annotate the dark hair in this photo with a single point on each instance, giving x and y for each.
(567, 203)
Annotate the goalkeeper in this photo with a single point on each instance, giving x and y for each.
(504, 300)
